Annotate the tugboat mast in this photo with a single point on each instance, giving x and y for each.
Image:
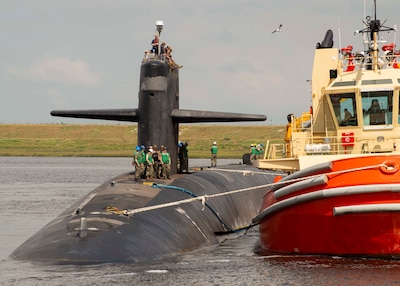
(373, 27)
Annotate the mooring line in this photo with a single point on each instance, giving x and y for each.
(204, 198)
(245, 172)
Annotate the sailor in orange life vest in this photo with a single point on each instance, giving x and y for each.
(391, 58)
(348, 55)
(154, 44)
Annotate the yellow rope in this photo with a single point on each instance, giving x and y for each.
(115, 210)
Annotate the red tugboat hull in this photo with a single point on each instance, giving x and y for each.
(349, 207)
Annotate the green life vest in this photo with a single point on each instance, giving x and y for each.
(141, 157)
(165, 158)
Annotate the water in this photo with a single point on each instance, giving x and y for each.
(35, 190)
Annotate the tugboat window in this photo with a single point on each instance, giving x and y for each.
(377, 107)
(344, 106)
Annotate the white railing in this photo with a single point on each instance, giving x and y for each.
(363, 62)
(322, 145)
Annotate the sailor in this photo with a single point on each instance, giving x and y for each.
(253, 155)
(166, 163)
(154, 45)
(184, 158)
(347, 117)
(135, 162)
(172, 64)
(141, 159)
(149, 163)
(261, 151)
(391, 59)
(376, 116)
(258, 151)
(214, 151)
(156, 162)
(288, 136)
(180, 157)
(349, 56)
(162, 51)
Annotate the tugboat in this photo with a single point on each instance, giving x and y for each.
(342, 196)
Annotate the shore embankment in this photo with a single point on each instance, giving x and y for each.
(92, 140)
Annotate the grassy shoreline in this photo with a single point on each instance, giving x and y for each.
(90, 140)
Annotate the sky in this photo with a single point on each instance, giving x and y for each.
(86, 54)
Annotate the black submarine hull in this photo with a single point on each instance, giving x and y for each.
(99, 228)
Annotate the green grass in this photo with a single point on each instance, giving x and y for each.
(119, 140)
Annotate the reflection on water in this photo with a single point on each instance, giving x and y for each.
(35, 190)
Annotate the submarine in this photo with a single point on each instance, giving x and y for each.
(129, 221)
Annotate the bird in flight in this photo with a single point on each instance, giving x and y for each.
(278, 29)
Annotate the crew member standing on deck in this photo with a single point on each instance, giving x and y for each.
(253, 155)
(156, 162)
(214, 151)
(136, 163)
(184, 158)
(288, 136)
(149, 163)
(166, 163)
(180, 157)
(141, 160)
(258, 151)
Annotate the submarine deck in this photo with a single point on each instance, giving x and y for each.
(123, 220)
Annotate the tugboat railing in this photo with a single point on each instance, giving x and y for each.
(329, 145)
(360, 61)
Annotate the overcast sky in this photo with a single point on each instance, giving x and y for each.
(86, 54)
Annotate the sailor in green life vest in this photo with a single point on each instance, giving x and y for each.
(149, 163)
(214, 151)
(135, 162)
(253, 154)
(166, 163)
(138, 160)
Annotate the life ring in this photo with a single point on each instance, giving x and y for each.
(388, 47)
(390, 167)
(347, 50)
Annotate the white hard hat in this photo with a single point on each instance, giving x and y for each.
(214, 143)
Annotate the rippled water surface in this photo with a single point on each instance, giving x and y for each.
(34, 190)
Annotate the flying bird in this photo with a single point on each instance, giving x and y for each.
(278, 30)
